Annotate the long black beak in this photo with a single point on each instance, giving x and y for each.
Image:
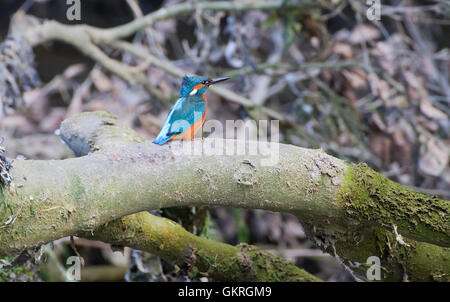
(218, 80)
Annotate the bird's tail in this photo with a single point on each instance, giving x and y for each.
(161, 140)
(163, 136)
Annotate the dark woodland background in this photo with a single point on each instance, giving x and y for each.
(376, 92)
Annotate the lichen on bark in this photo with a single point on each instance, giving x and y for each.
(321, 190)
(163, 237)
(200, 256)
(368, 195)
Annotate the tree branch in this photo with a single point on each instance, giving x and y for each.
(143, 54)
(202, 257)
(130, 28)
(415, 261)
(342, 206)
(337, 202)
(86, 38)
(95, 131)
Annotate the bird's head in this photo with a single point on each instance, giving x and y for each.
(196, 85)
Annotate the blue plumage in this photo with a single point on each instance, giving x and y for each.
(188, 109)
(188, 84)
(183, 114)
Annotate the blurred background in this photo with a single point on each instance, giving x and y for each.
(364, 91)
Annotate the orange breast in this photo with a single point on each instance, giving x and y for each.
(189, 133)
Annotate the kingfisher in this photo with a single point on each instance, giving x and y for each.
(188, 113)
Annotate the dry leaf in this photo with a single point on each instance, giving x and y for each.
(356, 78)
(74, 70)
(381, 144)
(379, 87)
(427, 108)
(53, 120)
(412, 79)
(342, 35)
(97, 105)
(423, 121)
(344, 50)
(36, 104)
(363, 33)
(403, 148)
(386, 56)
(378, 122)
(434, 157)
(101, 81)
(350, 95)
(315, 42)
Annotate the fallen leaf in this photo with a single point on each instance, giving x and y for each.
(53, 120)
(427, 108)
(381, 144)
(364, 33)
(386, 56)
(101, 81)
(36, 104)
(380, 87)
(434, 156)
(376, 120)
(427, 123)
(74, 70)
(356, 78)
(344, 50)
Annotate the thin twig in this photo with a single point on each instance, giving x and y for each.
(178, 72)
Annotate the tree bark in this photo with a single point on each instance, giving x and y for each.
(90, 132)
(338, 203)
(348, 210)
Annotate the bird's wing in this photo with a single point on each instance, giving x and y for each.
(183, 114)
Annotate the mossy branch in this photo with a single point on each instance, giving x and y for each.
(94, 131)
(343, 206)
(54, 199)
(202, 257)
(414, 261)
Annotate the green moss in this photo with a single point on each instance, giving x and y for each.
(417, 261)
(201, 256)
(244, 263)
(77, 190)
(6, 212)
(412, 261)
(269, 267)
(369, 195)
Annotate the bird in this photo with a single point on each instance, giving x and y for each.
(188, 113)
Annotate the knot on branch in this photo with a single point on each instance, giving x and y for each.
(17, 72)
